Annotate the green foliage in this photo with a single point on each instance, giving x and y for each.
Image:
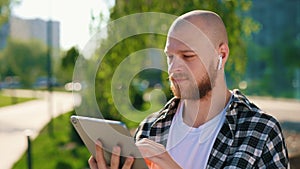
(4, 11)
(111, 61)
(58, 151)
(70, 57)
(237, 25)
(67, 65)
(274, 55)
(292, 50)
(27, 60)
(273, 60)
(231, 12)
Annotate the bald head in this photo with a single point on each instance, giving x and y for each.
(209, 23)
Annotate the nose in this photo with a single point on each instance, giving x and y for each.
(175, 65)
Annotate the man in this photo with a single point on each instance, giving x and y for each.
(205, 125)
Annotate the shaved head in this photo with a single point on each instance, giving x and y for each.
(208, 22)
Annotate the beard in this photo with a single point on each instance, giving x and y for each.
(192, 89)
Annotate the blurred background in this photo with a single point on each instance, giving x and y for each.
(40, 41)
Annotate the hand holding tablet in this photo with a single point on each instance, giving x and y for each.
(112, 134)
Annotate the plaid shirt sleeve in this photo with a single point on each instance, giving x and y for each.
(274, 153)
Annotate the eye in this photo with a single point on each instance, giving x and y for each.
(188, 56)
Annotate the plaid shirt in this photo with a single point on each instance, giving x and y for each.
(248, 138)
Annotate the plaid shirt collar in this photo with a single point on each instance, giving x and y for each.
(238, 98)
(168, 112)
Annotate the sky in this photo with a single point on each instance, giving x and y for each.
(74, 17)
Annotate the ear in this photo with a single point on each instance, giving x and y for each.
(224, 52)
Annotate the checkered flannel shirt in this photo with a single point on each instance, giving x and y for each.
(248, 138)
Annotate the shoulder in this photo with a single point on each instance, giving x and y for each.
(258, 131)
(250, 117)
(253, 133)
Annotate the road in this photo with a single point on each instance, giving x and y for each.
(33, 116)
(281, 109)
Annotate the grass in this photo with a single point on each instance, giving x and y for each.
(7, 100)
(57, 146)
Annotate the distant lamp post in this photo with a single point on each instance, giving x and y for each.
(49, 73)
(29, 133)
(49, 54)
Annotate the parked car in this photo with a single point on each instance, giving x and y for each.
(42, 82)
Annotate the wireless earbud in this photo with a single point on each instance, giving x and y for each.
(220, 62)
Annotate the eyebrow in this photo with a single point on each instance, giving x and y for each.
(182, 51)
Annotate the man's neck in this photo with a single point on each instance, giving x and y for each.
(198, 112)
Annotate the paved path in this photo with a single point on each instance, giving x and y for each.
(32, 115)
(281, 109)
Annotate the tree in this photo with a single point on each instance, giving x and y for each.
(67, 64)
(273, 59)
(27, 60)
(237, 25)
(5, 9)
(231, 12)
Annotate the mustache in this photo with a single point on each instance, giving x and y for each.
(173, 76)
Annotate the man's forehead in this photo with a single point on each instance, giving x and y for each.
(176, 44)
(186, 41)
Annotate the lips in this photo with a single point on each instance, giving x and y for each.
(178, 80)
(179, 77)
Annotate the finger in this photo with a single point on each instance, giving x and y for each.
(115, 157)
(92, 163)
(128, 163)
(99, 156)
(156, 153)
(152, 143)
(149, 148)
(144, 148)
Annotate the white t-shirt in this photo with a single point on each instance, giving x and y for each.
(190, 147)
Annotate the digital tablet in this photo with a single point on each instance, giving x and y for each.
(110, 133)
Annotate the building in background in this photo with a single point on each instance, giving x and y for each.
(31, 29)
(27, 29)
(45, 32)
